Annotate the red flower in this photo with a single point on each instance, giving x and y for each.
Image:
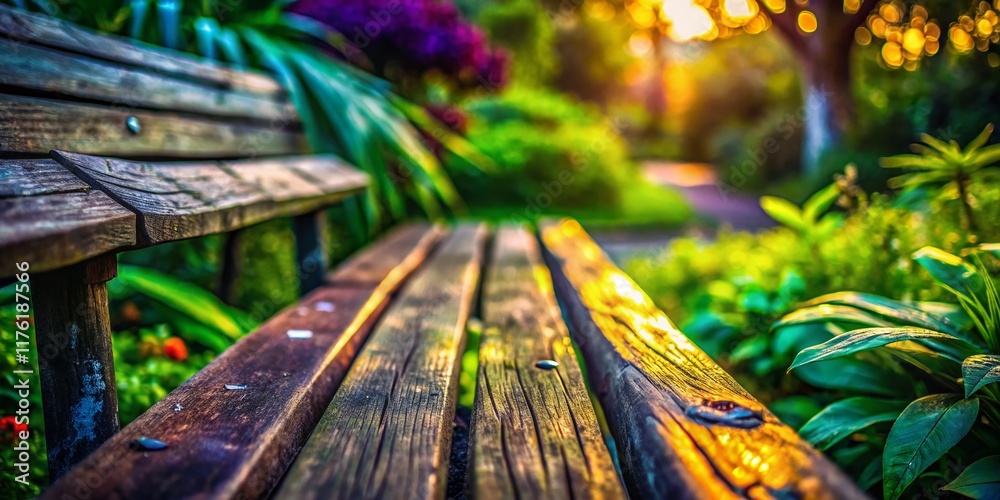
(175, 349)
(9, 424)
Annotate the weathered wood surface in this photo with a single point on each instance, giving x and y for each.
(50, 218)
(186, 199)
(38, 69)
(75, 360)
(300, 184)
(363, 268)
(47, 31)
(387, 432)
(534, 431)
(684, 428)
(237, 443)
(31, 125)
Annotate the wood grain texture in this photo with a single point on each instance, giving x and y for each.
(387, 432)
(364, 267)
(238, 443)
(47, 31)
(534, 431)
(179, 200)
(302, 183)
(684, 428)
(75, 360)
(57, 72)
(50, 218)
(35, 126)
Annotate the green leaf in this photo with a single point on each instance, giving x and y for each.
(986, 157)
(855, 376)
(783, 211)
(949, 270)
(870, 338)
(888, 308)
(979, 141)
(847, 416)
(183, 297)
(913, 161)
(829, 313)
(923, 433)
(980, 370)
(980, 480)
(820, 202)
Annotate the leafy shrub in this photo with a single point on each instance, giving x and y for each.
(552, 154)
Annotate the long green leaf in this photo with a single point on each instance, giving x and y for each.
(186, 298)
(893, 309)
(819, 203)
(831, 313)
(980, 370)
(979, 141)
(870, 338)
(923, 433)
(981, 480)
(854, 375)
(949, 270)
(847, 416)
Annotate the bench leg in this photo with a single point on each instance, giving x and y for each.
(310, 249)
(73, 332)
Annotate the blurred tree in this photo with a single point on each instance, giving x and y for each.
(821, 34)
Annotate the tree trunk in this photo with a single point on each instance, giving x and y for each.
(828, 105)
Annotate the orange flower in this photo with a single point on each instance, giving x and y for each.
(175, 349)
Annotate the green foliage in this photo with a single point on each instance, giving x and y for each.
(979, 480)
(553, 155)
(939, 163)
(524, 28)
(812, 221)
(727, 294)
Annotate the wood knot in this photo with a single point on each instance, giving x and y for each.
(727, 413)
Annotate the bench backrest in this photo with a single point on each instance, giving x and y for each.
(108, 144)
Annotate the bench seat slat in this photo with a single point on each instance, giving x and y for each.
(534, 431)
(50, 32)
(226, 443)
(50, 218)
(179, 200)
(684, 427)
(387, 430)
(31, 125)
(55, 72)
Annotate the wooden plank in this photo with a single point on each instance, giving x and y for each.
(34, 177)
(300, 184)
(364, 268)
(50, 218)
(50, 71)
(43, 30)
(36, 126)
(387, 431)
(684, 428)
(75, 360)
(534, 431)
(174, 201)
(237, 443)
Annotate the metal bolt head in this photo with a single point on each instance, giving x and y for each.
(547, 364)
(133, 125)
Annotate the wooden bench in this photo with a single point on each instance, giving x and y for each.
(351, 392)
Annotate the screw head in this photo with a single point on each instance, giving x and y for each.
(133, 125)
(547, 364)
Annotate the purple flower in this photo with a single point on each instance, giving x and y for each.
(416, 36)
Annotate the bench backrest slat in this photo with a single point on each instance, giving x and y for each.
(41, 70)
(51, 218)
(688, 430)
(181, 200)
(49, 32)
(36, 126)
(237, 443)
